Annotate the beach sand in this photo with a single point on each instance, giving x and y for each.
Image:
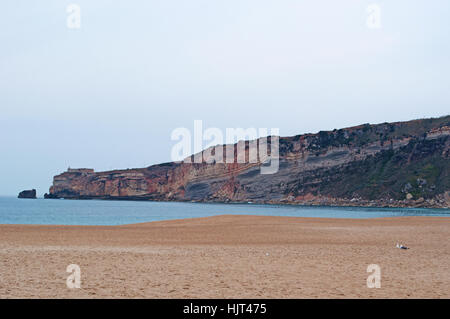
(229, 257)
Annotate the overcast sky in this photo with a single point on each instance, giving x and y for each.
(109, 94)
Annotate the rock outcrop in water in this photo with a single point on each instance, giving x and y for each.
(402, 164)
(28, 194)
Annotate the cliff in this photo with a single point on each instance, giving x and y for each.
(402, 164)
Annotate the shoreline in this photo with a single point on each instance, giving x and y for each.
(229, 256)
(336, 203)
(329, 219)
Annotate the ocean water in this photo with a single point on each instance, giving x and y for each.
(99, 212)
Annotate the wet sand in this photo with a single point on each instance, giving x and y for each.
(229, 257)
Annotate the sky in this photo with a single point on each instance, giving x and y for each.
(109, 94)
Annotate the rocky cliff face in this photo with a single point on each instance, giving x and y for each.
(389, 164)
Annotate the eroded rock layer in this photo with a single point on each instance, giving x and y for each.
(389, 164)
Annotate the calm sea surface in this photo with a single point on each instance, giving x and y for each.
(98, 212)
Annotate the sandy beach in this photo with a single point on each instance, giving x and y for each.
(229, 257)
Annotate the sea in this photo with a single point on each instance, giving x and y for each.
(106, 212)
